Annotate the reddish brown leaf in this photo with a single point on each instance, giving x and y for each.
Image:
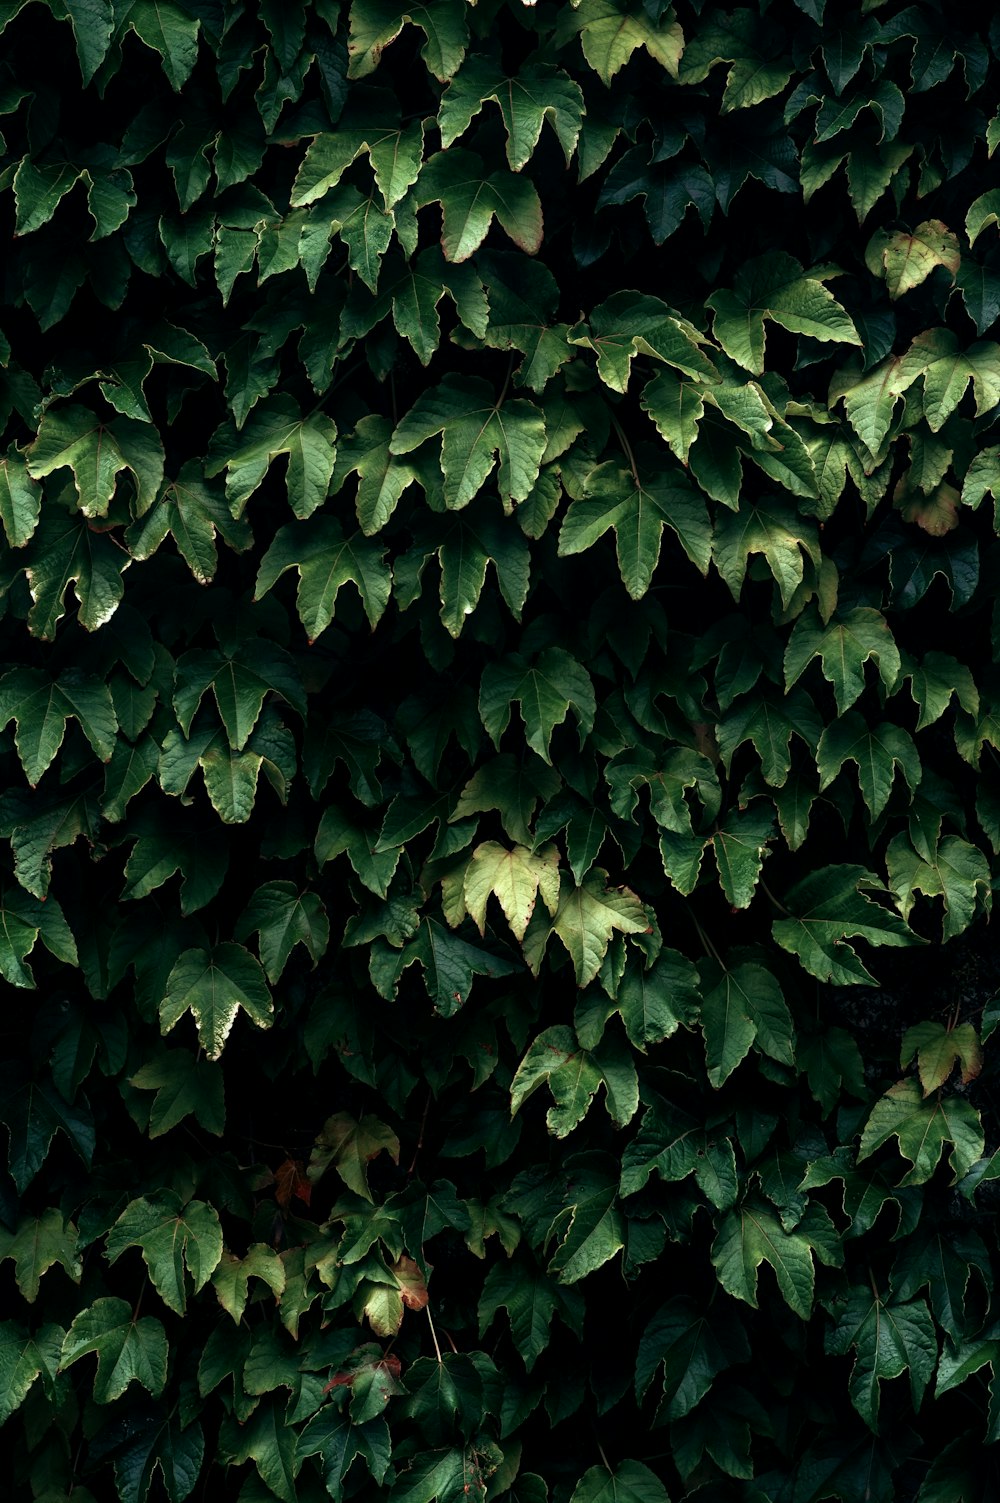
(290, 1180)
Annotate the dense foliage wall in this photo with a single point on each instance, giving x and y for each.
(499, 746)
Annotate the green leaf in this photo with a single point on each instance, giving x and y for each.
(530, 1299)
(923, 1128)
(588, 915)
(546, 691)
(128, 1350)
(693, 1347)
(350, 1146)
(753, 1234)
(169, 30)
(282, 917)
(516, 878)
(957, 872)
(73, 437)
(470, 198)
(185, 1086)
(590, 1227)
(277, 428)
(240, 682)
(20, 499)
(939, 1049)
(37, 1244)
(609, 35)
(877, 752)
(775, 530)
(512, 787)
(395, 153)
(173, 1236)
(192, 513)
(158, 1442)
(905, 259)
(829, 907)
(843, 646)
(269, 1442)
(638, 509)
(534, 94)
(378, 22)
(630, 324)
(574, 1076)
(475, 430)
(776, 287)
(33, 1112)
(674, 1145)
(213, 985)
(741, 1007)
(232, 1275)
(889, 1338)
(382, 478)
(769, 719)
(449, 964)
(25, 919)
(41, 706)
(22, 1360)
(326, 560)
(66, 551)
(522, 297)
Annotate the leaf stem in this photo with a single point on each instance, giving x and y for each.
(506, 381)
(434, 1338)
(707, 944)
(600, 1452)
(776, 901)
(626, 446)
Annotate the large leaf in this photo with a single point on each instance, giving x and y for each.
(534, 94)
(828, 908)
(213, 985)
(476, 428)
(753, 1234)
(128, 1350)
(775, 287)
(74, 437)
(471, 196)
(609, 34)
(888, 1338)
(173, 1237)
(923, 1129)
(574, 1075)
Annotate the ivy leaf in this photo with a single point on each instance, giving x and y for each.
(938, 1050)
(395, 152)
(609, 35)
(674, 1145)
(128, 1350)
(957, 872)
(185, 1086)
(22, 1360)
(776, 287)
(587, 917)
(923, 1128)
(157, 1442)
(378, 22)
(574, 1076)
(240, 682)
(768, 719)
(773, 529)
(530, 1299)
(24, 919)
(41, 706)
(830, 906)
(66, 551)
(638, 510)
(20, 499)
(470, 197)
(326, 560)
(843, 646)
(213, 985)
(877, 752)
(33, 1112)
(516, 877)
(535, 93)
(522, 295)
(282, 917)
(628, 324)
(73, 437)
(269, 1442)
(278, 428)
(590, 1226)
(693, 1347)
(753, 1234)
(740, 1007)
(193, 514)
(38, 1243)
(546, 691)
(889, 1338)
(449, 964)
(906, 259)
(465, 544)
(232, 1275)
(169, 31)
(513, 788)
(475, 430)
(173, 1236)
(350, 1145)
